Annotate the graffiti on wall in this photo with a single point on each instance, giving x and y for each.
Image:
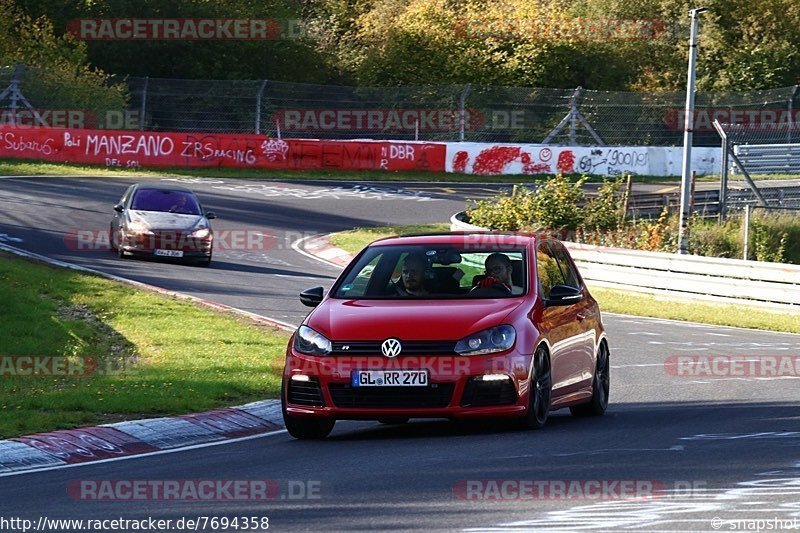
(538, 159)
(147, 149)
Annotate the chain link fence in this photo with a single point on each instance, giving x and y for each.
(574, 117)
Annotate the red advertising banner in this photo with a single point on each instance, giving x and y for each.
(161, 149)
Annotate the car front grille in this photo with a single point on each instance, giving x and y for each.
(487, 393)
(306, 393)
(167, 240)
(434, 395)
(408, 348)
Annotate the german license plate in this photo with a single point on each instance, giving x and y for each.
(389, 378)
(169, 253)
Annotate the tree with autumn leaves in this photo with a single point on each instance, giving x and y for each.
(597, 44)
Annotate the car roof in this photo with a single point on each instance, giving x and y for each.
(158, 187)
(473, 238)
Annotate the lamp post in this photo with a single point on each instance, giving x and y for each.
(686, 175)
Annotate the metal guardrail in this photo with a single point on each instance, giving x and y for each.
(708, 278)
(737, 281)
(768, 158)
(706, 203)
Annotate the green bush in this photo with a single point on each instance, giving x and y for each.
(604, 212)
(555, 204)
(775, 237)
(712, 239)
(505, 212)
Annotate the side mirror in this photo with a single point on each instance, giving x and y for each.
(119, 208)
(563, 295)
(211, 215)
(311, 297)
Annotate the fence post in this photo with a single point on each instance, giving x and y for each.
(19, 69)
(462, 111)
(15, 96)
(723, 181)
(791, 108)
(574, 114)
(258, 106)
(626, 199)
(746, 230)
(143, 108)
(724, 170)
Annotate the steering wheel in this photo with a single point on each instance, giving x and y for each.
(496, 287)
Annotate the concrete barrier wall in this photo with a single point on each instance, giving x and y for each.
(495, 159)
(120, 148)
(170, 149)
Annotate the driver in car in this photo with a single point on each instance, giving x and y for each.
(498, 272)
(179, 205)
(413, 276)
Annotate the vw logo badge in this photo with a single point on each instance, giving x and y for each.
(391, 348)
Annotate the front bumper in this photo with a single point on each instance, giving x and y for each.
(146, 244)
(322, 386)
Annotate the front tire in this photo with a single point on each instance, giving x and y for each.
(601, 385)
(304, 427)
(540, 393)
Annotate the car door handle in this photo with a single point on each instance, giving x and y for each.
(581, 316)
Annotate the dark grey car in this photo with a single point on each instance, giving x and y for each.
(162, 221)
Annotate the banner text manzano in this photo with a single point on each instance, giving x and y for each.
(144, 149)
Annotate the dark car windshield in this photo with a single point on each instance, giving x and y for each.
(165, 200)
(435, 272)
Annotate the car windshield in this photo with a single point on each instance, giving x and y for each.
(435, 272)
(165, 200)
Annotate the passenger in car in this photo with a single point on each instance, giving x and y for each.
(413, 276)
(499, 271)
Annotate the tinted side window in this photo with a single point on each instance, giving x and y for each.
(570, 276)
(127, 195)
(547, 270)
(359, 283)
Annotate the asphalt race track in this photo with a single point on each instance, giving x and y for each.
(703, 453)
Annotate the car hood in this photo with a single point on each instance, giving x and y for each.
(163, 220)
(354, 320)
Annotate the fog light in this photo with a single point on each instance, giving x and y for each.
(300, 377)
(492, 377)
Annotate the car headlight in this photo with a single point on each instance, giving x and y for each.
(310, 342)
(137, 226)
(492, 340)
(201, 233)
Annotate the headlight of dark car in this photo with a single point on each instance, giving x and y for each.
(310, 342)
(139, 228)
(201, 233)
(492, 340)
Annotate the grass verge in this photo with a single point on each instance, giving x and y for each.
(615, 301)
(353, 241)
(20, 167)
(155, 355)
(14, 167)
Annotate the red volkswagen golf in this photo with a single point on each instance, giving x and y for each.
(448, 326)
